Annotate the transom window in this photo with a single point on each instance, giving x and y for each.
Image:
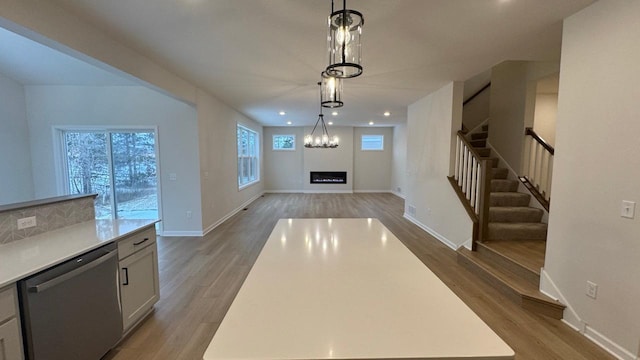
(248, 157)
(284, 142)
(372, 142)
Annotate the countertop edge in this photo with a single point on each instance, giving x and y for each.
(81, 249)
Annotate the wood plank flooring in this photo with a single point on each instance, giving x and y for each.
(199, 278)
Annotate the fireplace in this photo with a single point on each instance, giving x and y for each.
(328, 177)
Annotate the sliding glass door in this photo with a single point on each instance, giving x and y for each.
(120, 166)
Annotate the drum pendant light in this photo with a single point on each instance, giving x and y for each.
(344, 42)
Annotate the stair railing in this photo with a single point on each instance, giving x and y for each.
(538, 166)
(472, 181)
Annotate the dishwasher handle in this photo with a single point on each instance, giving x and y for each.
(73, 273)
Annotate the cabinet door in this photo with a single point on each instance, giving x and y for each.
(139, 284)
(10, 343)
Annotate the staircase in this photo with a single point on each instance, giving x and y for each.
(512, 254)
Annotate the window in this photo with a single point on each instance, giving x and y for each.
(248, 157)
(372, 142)
(120, 166)
(284, 142)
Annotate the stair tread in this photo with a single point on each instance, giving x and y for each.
(519, 285)
(528, 254)
(537, 225)
(514, 214)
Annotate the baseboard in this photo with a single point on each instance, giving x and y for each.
(373, 191)
(431, 232)
(327, 191)
(400, 195)
(573, 320)
(283, 191)
(181, 233)
(230, 214)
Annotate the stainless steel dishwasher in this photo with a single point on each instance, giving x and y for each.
(72, 311)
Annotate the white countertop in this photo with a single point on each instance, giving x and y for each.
(347, 289)
(25, 257)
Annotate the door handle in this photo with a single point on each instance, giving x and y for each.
(126, 276)
(140, 242)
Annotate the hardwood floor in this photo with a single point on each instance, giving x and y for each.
(201, 276)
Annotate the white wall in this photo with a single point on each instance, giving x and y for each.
(48, 23)
(283, 168)
(597, 165)
(338, 159)
(432, 125)
(16, 181)
(546, 114)
(399, 162)
(217, 125)
(371, 169)
(49, 106)
(513, 90)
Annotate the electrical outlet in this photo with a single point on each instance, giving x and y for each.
(173, 176)
(27, 222)
(628, 209)
(411, 209)
(592, 289)
(189, 214)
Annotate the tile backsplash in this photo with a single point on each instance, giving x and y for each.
(48, 217)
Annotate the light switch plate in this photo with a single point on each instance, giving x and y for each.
(628, 209)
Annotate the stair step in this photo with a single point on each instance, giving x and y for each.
(499, 173)
(517, 231)
(479, 135)
(514, 214)
(478, 143)
(509, 199)
(507, 263)
(503, 185)
(492, 161)
(520, 290)
(484, 152)
(526, 255)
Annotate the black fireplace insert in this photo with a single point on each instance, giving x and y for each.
(328, 177)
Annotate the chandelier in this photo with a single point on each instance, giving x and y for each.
(322, 140)
(343, 40)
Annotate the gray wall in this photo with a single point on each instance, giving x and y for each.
(399, 162)
(116, 106)
(16, 181)
(283, 170)
(513, 90)
(597, 165)
(432, 125)
(372, 169)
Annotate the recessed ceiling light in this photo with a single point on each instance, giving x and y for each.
(289, 123)
(282, 113)
(386, 113)
(371, 122)
(330, 123)
(335, 113)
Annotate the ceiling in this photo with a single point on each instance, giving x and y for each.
(265, 56)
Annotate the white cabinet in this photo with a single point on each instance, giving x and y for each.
(10, 338)
(139, 282)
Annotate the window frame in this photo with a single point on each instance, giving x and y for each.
(381, 136)
(273, 142)
(251, 160)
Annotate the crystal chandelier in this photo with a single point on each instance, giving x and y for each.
(322, 140)
(343, 40)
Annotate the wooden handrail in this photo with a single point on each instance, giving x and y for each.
(476, 94)
(529, 131)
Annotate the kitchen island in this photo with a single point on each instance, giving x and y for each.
(347, 289)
